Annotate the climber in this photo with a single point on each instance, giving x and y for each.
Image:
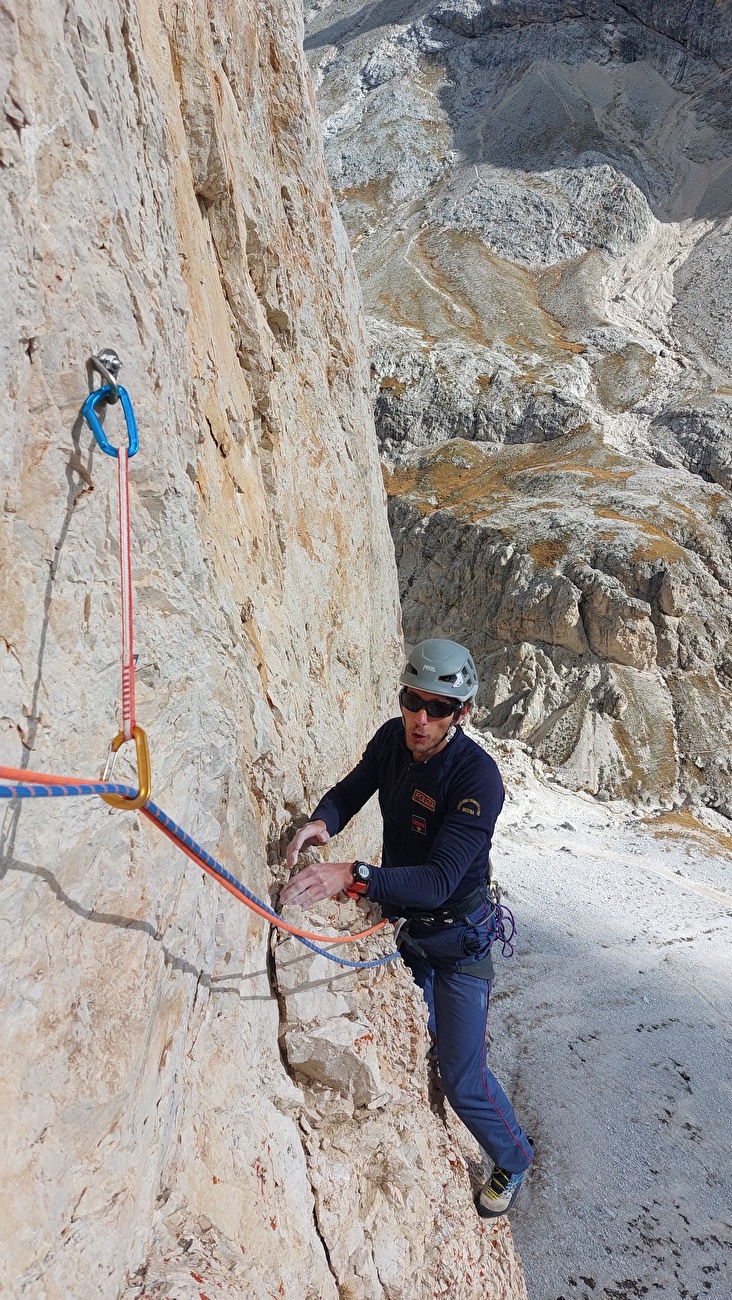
(440, 794)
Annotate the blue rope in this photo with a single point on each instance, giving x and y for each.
(190, 843)
(58, 791)
(19, 791)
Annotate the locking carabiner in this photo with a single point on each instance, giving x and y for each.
(143, 771)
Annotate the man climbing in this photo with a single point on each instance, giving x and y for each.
(440, 795)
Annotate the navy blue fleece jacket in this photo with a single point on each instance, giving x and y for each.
(438, 817)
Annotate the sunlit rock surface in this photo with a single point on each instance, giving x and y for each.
(601, 682)
(164, 193)
(539, 198)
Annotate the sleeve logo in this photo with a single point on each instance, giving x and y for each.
(425, 800)
(419, 824)
(469, 806)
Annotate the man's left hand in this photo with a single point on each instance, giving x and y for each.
(319, 880)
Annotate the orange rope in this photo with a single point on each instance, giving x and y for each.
(282, 925)
(22, 774)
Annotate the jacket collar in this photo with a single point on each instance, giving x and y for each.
(441, 753)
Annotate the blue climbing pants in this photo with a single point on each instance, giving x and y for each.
(458, 1019)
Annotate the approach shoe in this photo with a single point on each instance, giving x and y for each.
(499, 1193)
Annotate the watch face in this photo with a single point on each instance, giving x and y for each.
(362, 871)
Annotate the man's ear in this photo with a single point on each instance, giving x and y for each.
(465, 710)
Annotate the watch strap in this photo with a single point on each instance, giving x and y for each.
(359, 887)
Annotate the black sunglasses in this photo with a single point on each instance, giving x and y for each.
(433, 708)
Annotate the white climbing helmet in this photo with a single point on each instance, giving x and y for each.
(442, 667)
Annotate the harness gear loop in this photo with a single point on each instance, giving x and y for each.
(142, 754)
(504, 920)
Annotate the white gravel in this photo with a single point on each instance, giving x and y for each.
(612, 1032)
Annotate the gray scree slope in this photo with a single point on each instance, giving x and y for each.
(539, 199)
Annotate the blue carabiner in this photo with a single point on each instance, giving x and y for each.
(88, 410)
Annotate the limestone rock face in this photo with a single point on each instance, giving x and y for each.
(596, 620)
(618, 627)
(339, 1054)
(164, 193)
(539, 198)
(392, 1168)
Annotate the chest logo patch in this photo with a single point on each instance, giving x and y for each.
(425, 800)
(469, 806)
(419, 824)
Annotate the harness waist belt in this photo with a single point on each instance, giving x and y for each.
(444, 915)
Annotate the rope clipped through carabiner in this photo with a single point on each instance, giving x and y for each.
(20, 783)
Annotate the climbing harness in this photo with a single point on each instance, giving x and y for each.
(504, 929)
(20, 783)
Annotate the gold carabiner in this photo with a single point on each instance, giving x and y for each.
(143, 772)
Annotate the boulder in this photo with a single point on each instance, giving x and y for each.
(307, 982)
(618, 626)
(339, 1054)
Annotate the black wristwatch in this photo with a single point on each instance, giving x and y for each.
(362, 873)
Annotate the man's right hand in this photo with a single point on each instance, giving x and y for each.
(311, 833)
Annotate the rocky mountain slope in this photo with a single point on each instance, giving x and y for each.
(165, 193)
(539, 197)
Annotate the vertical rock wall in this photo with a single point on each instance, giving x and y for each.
(164, 193)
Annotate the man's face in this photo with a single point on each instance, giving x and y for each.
(425, 735)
